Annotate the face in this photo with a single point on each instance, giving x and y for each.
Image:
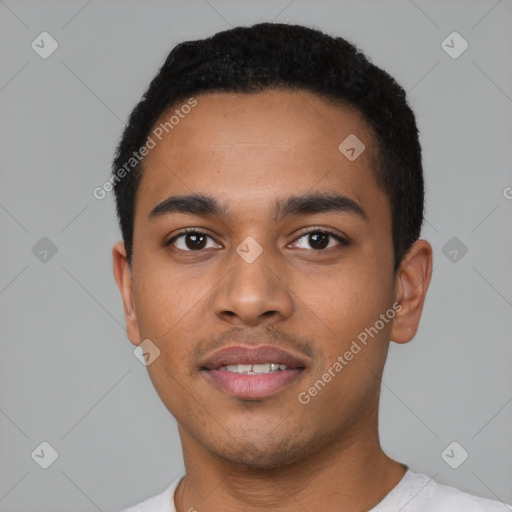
(258, 293)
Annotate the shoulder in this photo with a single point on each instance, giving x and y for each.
(163, 502)
(426, 495)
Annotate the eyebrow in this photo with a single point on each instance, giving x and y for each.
(202, 205)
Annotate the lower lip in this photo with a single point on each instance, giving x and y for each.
(254, 387)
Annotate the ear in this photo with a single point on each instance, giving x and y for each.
(123, 277)
(411, 285)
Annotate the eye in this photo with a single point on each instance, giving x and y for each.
(192, 240)
(320, 240)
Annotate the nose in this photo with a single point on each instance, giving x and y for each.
(253, 292)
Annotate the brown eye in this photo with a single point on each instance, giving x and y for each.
(190, 241)
(319, 240)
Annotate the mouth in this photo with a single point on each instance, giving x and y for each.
(252, 373)
(254, 369)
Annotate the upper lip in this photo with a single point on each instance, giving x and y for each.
(244, 354)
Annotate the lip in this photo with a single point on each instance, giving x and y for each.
(252, 386)
(244, 354)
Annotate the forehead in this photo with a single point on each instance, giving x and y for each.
(248, 149)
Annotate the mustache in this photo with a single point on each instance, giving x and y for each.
(269, 335)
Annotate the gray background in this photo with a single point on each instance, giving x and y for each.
(67, 371)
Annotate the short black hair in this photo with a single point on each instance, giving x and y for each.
(276, 56)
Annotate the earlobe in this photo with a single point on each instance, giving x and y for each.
(123, 277)
(411, 285)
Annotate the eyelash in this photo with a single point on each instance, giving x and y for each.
(342, 241)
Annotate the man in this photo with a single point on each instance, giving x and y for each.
(270, 192)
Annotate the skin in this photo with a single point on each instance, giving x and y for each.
(275, 453)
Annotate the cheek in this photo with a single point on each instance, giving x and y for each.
(338, 302)
(340, 307)
(164, 301)
(167, 304)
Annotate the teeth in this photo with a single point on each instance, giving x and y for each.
(254, 369)
(261, 368)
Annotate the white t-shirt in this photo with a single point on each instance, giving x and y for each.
(415, 492)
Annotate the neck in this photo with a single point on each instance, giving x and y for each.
(350, 474)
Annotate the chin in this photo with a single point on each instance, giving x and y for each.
(258, 459)
(265, 454)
